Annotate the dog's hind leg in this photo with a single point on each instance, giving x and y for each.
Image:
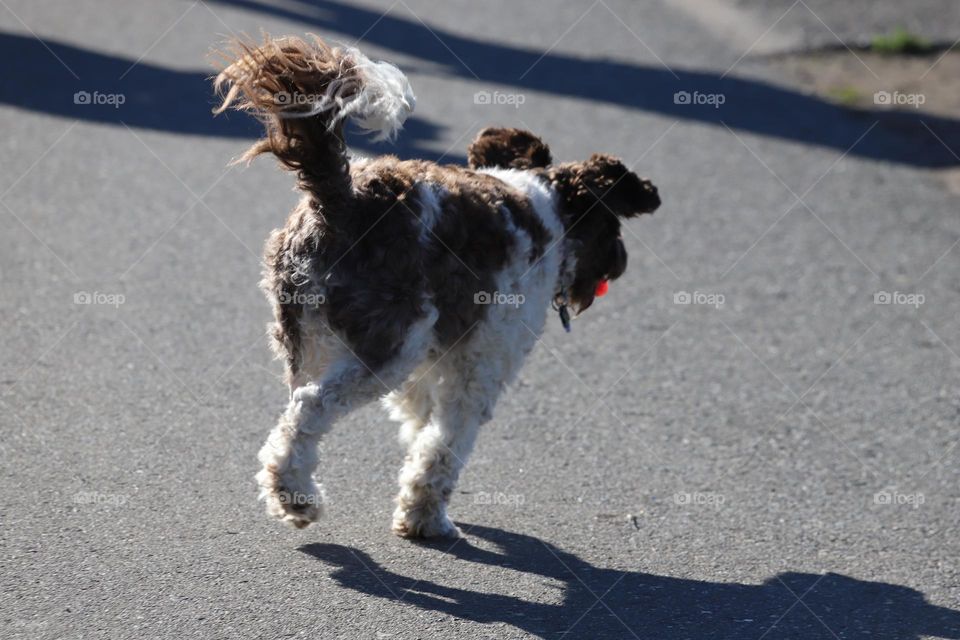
(289, 456)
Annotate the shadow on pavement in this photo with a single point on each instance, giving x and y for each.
(643, 605)
(181, 101)
(110, 89)
(751, 106)
(113, 90)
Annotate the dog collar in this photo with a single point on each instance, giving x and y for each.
(560, 303)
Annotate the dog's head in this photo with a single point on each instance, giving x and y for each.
(594, 197)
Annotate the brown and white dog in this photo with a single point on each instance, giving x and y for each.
(421, 283)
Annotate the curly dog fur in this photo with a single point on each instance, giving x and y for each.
(421, 283)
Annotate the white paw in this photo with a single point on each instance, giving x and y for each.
(295, 502)
(424, 523)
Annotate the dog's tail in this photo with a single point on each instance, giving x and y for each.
(303, 92)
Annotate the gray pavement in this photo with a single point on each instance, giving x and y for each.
(781, 465)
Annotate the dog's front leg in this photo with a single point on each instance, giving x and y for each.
(436, 456)
(429, 475)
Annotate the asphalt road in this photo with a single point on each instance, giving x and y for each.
(776, 459)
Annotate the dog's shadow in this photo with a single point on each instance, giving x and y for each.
(608, 603)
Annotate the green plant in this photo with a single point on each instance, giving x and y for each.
(900, 41)
(845, 95)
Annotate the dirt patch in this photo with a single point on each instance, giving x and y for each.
(928, 83)
(899, 90)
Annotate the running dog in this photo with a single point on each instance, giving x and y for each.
(420, 283)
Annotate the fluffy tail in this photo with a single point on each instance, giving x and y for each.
(302, 92)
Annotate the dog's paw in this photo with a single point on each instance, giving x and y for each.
(420, 524)
(297, 504)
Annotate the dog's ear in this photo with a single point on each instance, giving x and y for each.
(623, 192)
(508, 149)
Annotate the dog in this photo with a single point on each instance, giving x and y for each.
(422, 284)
